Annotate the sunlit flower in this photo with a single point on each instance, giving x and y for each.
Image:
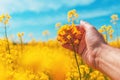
(46, 32)
(107, 31)
(68, 37)
(8, 16)
(58, 25)
(2, 17)
(5, 18)
(6, 22)
(72, 15)
(114, 18)
(20, 34)
(76, 41)
(69, 34)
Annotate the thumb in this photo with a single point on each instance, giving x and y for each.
(91, 31)
(88, 27)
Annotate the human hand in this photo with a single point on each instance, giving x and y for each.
(90, 44)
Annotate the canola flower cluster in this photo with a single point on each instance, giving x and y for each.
(4, 18)
(107, 31)
(114, 18)
(72, 15)
(45, 60)
(70, 34)
(20, 34)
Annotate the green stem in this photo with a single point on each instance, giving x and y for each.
(117, 35)
(8, 46)
(75, 55)
(106, 35)
(47, 37)
(21, 42)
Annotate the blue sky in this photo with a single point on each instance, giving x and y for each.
(35, 16)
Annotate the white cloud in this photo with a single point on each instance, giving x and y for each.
(37, 21)
(48, 19)
(11, 6)
(94, 13)
(99, 12)
(78, 2)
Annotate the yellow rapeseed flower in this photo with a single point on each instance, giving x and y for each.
(58, 25)
(62, 33)
(5, 18)
(1, 18)
(76, 41)
(108, 27)
(6, 21)
(111, 36)
(76, 15)
(46, 32)
(72, 15)
(114, 17)
(67, 32)
(101, 30)
(107, 31)
(68, 37)
(20, 34)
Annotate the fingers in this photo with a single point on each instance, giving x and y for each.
(67, 46)
(88, 27)
(85, 25)
(81, 29)
(82, 45)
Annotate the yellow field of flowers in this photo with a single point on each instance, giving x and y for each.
(42, 61)
(45, 60)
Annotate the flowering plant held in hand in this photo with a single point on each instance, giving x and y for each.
(71, 35)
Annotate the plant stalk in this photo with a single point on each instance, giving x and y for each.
(75, 55)
(6, 37)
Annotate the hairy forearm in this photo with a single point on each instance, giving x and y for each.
(108, 61)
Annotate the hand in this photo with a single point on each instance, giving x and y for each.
(90, 44)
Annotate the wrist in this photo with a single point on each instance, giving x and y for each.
(100, 51)
(107, 61)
